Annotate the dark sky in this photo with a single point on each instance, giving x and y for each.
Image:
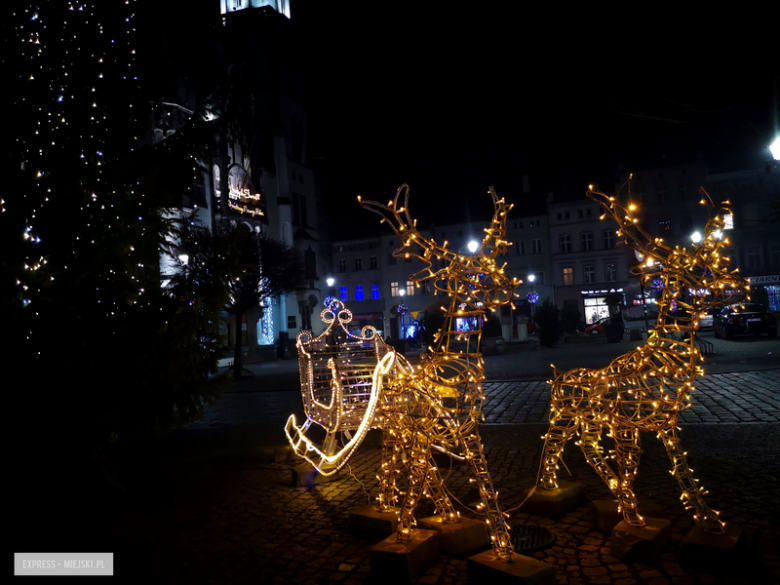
(451, 100)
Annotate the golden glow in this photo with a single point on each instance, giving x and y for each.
(646, 389)
(438, 406)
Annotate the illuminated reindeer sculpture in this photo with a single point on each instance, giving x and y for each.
(438, 405)
(647, 388)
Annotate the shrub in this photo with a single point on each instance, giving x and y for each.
(570, 318)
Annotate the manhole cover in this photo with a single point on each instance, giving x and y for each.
(528, 539)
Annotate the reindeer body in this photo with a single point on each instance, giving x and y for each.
(645, 389)
(437, 407)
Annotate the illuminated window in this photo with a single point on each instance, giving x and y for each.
(409, 288)
(568, 276)
(343, 293)
(586, 241)
(358, 264)
(374, 291)
(729, 221)
(372, 265)
(358, 292)
(589, 273)
(342, 265)
(611, 272)
(393, 289)
(565, 243)
(609, 239)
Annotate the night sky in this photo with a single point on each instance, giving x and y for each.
(452, 100)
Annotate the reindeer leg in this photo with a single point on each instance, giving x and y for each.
(591, 448)
(499, 531)
(418, 469)
(692, 495)
(628, 451)
(391, 449)
(561, 430)
(434, 489)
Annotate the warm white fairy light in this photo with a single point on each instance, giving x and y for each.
(645, 389)
(438, 406)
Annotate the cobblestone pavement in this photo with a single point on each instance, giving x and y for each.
(215, 517)
(744, 397)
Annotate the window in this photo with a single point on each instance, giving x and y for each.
(565, 243)
(343, 293)
(611, 272)
(568, 276)
(663, 194)
(775, 254)
(609, 239)
(390, 243)
(374, 291)
(358, 264)
(580, 212)
(684, 191)
(409, 288)
(538, 278)
(425, 287)
(292, 323)
(393, 289)
(589, 213)
(589, 273)
(753, 256)
(520, 248)
(358, 292)
(586, 241)
(559, 217)
(342, 265)
(372, 263)
(728, 220)
(306, 321)
(567, 215)
(521, 225)
(390, 259)
(537, 246)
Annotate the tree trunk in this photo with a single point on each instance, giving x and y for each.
(237, 365)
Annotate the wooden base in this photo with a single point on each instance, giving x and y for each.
(642, 544)
(465, 537)
(369, 522)
(705, 548)
(487, 567)
(401, 562)
(566, 497)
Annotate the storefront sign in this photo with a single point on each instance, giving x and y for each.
(774, 279)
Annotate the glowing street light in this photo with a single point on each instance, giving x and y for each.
(330, 281)
(774, 148)
(472, 246)
(696, 237)
(531, 278)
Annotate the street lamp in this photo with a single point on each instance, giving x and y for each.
(531, 278)
(774, 148)
(330, 281)
(472, 246)
(696, 237)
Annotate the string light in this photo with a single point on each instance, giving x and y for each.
(645, 389)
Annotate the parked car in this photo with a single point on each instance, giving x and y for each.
(745, 318)
(707, 321)
(597, 328)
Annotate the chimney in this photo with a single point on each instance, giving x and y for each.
(526, 184)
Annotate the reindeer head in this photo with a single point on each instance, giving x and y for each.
(474, 280)
(697, 270)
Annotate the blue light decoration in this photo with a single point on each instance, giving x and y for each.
(400, 310)
(657, 284)
(673, 306)
(533, 297)
(331, 303)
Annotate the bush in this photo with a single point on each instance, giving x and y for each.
(548, 318)
(570, 318)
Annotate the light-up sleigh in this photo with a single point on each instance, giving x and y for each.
(341, 375)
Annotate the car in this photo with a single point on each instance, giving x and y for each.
(707, 321)
(597, 328)
(745, 318)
